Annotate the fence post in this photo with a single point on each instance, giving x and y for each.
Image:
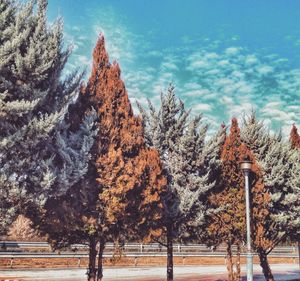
(135, 261)
(141, 247)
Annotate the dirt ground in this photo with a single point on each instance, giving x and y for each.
(6, 263)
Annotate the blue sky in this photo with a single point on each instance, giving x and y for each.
(225, 57)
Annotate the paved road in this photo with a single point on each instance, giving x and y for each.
(182, 273)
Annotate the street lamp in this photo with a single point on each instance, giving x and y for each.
(246, 168)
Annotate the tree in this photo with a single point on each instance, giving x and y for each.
(295, 180)
(40, 158)
(21, 229)
(227, 223)
(189, 164)
(74, 216)
(73, 219)
(129, 175)
(276, 207)
(295, 137)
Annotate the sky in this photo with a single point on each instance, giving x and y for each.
(225, 57)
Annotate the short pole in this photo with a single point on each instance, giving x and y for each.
(135, 261)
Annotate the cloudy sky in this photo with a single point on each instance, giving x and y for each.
(225, 57)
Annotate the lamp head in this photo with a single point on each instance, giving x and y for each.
(246, 164)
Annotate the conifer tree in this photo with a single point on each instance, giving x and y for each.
(129, 175)
(190, 164)
(22, 229)
(227, 223)
(276, 206)
(294, 180)
(295, 137)
(74, 219)
(39, 157)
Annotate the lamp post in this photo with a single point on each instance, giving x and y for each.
(246, 168)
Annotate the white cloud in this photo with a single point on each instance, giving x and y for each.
(196, 64)
(84, 60)
(191, 86)
(202, 107)
(232, 51)
(223, 81)
(251, 59)
(223, 62)
(76, 28)
(213, 72)
(211, 55)
(169, 65)
(264, 69)
(197, 93)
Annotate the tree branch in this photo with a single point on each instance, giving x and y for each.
(159, 242)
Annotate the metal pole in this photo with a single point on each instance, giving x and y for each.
(248, 222)
(299, 253)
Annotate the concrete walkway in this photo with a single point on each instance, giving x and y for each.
(283, 272)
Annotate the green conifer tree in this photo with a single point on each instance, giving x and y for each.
(40, 157)
(279, 166)
(189, 163)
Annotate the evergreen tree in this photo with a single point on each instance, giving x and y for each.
(22, 229)
(227, 222)
(295, 137)
(276, 207)
(74, 219)
(129, 175)
(40, 157)
(189, 163)
(294, 182)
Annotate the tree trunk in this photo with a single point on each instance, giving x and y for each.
(263, 259)
(229, 262)
(92, 259)
(169, 253)
(238, 263)
(100, 260)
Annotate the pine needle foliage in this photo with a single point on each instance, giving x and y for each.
(39, 157)
(276, 196)
(190, 163)
(130, 177)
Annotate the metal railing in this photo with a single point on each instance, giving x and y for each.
(21, 248)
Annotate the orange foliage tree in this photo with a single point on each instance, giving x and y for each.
(129, 174)
(228, 224)
(295, 137)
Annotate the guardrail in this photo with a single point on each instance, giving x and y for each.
(132, 248)
(109, 255)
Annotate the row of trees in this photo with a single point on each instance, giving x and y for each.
(77, 161)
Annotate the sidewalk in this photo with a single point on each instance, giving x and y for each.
(283, 272)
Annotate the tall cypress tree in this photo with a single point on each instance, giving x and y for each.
(129, 175)
(190, 164)
(295, 137)
(227, 223)
(40, 157)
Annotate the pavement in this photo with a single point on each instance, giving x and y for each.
(282, 272)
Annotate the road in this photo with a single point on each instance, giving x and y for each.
(283, 272)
